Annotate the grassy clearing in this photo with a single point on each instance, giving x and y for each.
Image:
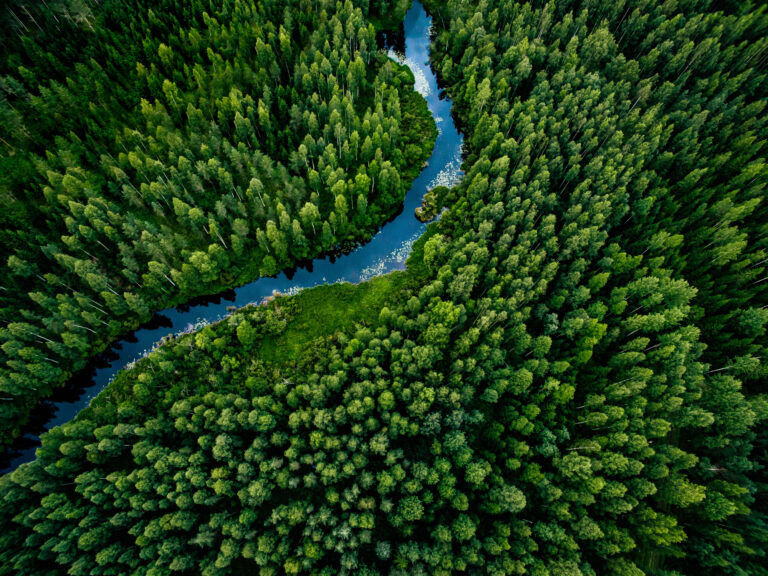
(326, 310)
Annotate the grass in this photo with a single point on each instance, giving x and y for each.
(322, 311)
(326, 310)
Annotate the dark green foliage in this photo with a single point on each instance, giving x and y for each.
(431, 204)
(673, 125)
(575, 387)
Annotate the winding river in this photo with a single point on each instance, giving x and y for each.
(387, 251)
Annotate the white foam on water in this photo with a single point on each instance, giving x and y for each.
(421, 85)
(450, 175)
(392, 261)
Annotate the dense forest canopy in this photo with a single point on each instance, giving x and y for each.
(641, 129)
(155, 152)
(573, 382)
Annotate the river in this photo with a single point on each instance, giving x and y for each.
(386, 251)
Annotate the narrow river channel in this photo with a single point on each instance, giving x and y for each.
(387, 251)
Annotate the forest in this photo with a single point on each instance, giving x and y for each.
(568, 379)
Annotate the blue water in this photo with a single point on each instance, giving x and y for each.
(387, 251)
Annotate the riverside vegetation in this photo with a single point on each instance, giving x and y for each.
(568, 379)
